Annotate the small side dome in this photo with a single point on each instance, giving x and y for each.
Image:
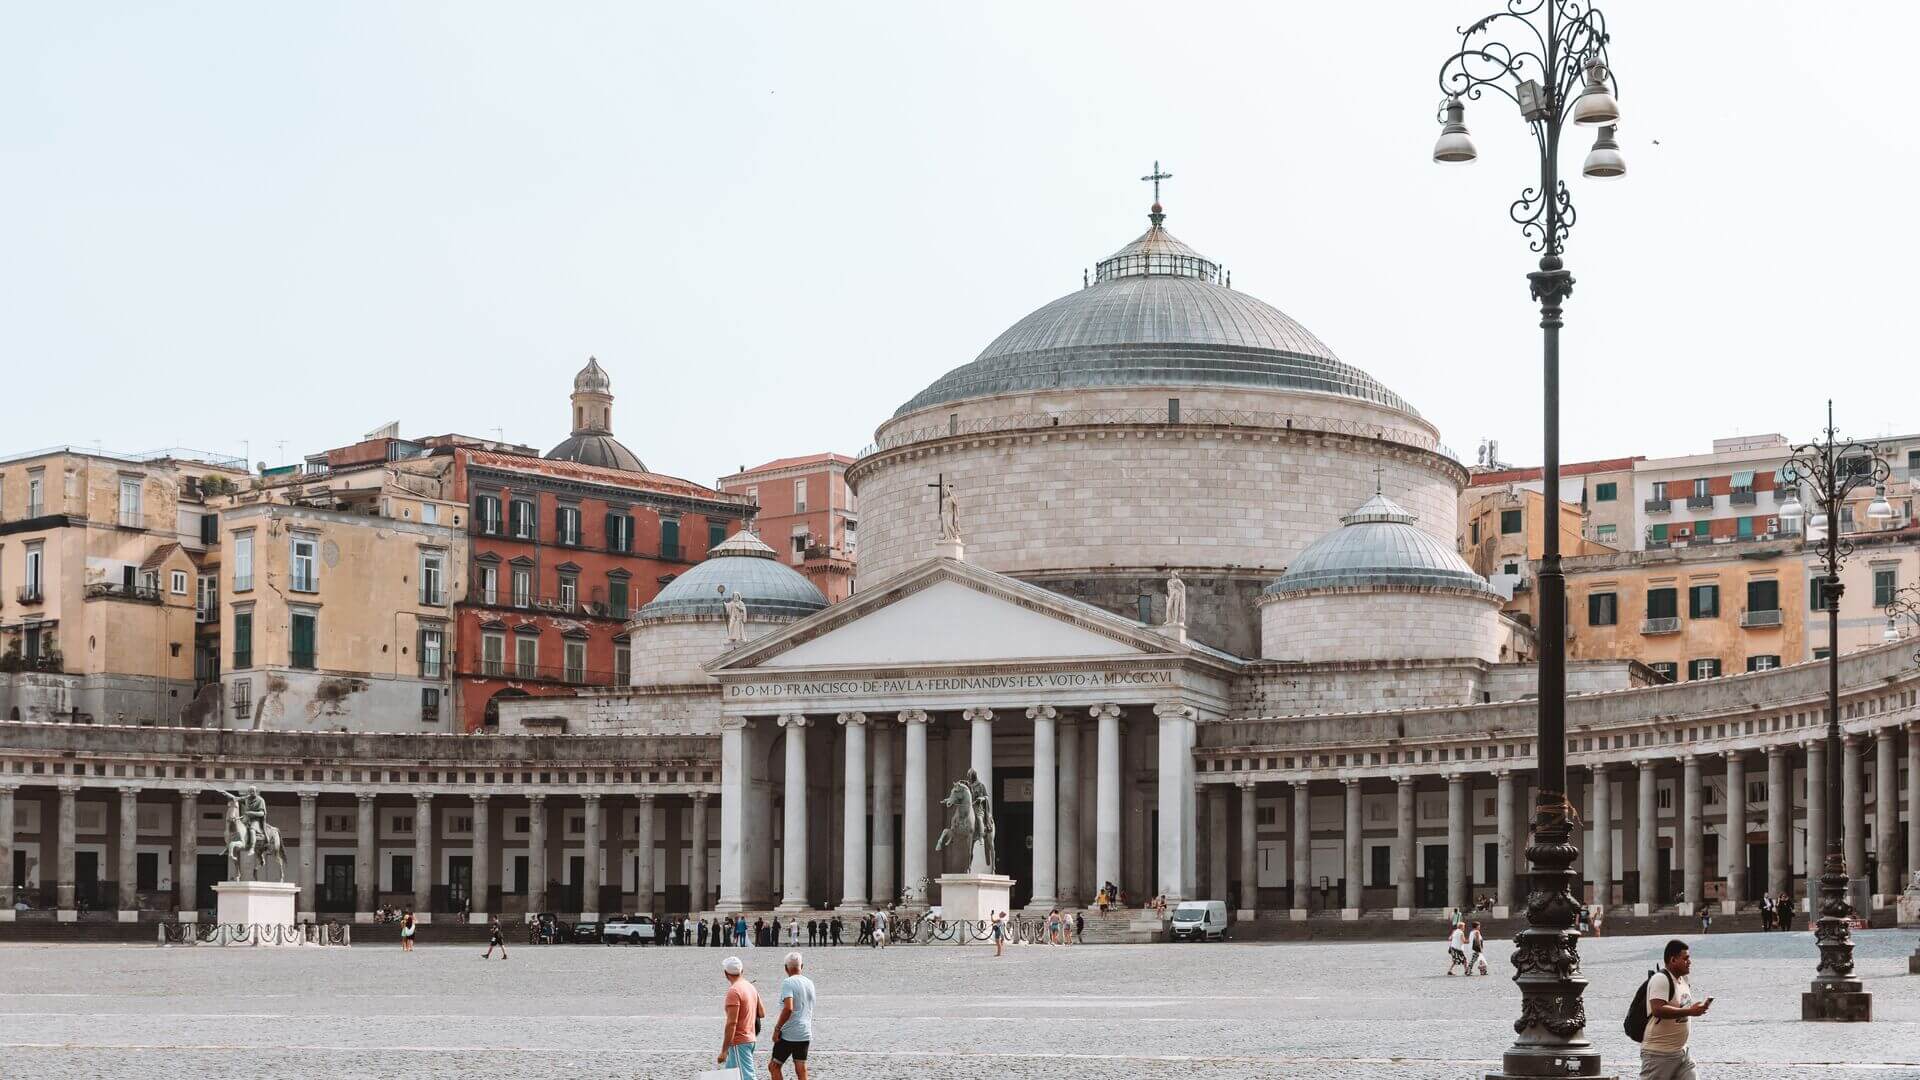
(743, 567)
(1379, 547)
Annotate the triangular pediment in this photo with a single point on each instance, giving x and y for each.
(945, 612)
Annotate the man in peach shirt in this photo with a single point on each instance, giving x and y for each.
(744, 1011)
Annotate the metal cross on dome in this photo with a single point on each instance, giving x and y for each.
(1156, 176)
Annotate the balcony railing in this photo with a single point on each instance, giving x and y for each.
(115, 590)
(133, 520)
(553, 605)
(1658, 506)
(1744, 498)
(242, 659)
(30, 594)
(1699, 502)
(1767, 617)
(553, 673)
(36, 509)
(304, 582)
(302, 660)
(1661, 626)
(37, 662)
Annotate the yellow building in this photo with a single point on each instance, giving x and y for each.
(1503, 533)
(338, 593)
(103, 583)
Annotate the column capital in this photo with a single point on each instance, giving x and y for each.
(1736, 755)
(976, 714)
(68, 788)
(645, 799)
(1174, 710)
(1299, 785)
(730, 722)
(366, 797)
(700, 798)
(1645, 764)
(791, 719)
(1687, 760)
(128, 794)
(1351, 781)
(1776, 750)
(1600, 769)
(853, 719)
(189, 794)
(1104, 711)
(1505, 776)
(592, 799)
(423, 798)
(1245, 783)
(537, 798)
(1042, 712)
(913, 716)
(1850, 739)
(307, 797)
(480, 797)
(1404, 779)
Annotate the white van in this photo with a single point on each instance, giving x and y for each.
(1200, 920)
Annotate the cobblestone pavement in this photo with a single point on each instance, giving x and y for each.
(1194, 1012)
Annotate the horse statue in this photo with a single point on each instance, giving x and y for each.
(259, 842)
(969, 818)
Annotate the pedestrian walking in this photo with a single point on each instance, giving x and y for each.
(999, 932)
(1783, 912)
(834, 928)
(1476, 949)
(1457, 949)
(1706, 918)
(1669, 1009)
(1599, 917)
(793, 1032)
(406, 931)
(743, 1012)
(879, 929)
(495, 939)
(1079, 925)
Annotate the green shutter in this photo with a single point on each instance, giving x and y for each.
(302, 644)
(1660, 532)
(617, 597)
(670, 537)
(1746, 528)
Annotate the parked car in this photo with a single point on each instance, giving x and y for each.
(1200, 920)
(586, 932)
(628, 929)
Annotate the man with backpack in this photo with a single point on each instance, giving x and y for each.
(1659, 1017)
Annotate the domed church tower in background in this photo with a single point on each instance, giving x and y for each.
(592, 441)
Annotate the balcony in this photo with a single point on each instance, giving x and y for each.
(553, 605)
(30, 594)
(302, 659)
(550, 673)
(206, 615)
(1657, 506)
(131, 519)
(1699, 502)
(1744, 498)
(1653, 627)
(13, 662)
(242, 659)
(1769, 617)
(115, 590)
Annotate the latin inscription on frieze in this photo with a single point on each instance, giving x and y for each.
(1064, 680)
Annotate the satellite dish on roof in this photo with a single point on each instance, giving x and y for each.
(389, 430)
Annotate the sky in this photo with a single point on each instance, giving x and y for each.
(267, 229)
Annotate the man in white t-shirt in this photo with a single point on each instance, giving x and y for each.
(1670, 1007)
(1457, 949)
(794, 1031)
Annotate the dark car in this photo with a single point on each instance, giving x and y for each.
(587, 932)
(546, 928)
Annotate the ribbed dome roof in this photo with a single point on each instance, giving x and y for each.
(592, 379)
(1378, 546)
(743, 567)
(1156, 316)
(602, 450)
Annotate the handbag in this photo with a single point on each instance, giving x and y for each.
(718, 1074)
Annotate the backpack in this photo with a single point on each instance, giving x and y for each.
(1636, 1024)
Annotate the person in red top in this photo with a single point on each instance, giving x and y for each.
(743, 1011)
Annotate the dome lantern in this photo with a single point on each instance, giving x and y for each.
(592, 441)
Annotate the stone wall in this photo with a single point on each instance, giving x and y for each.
(1273, 688)
(670, 651)
(96, 699)
(686, 709)
(1220, 606)
(1381, 624)
(288, 700)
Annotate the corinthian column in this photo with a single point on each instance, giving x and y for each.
(1403, 898)
(793, 867)
(129, 864)
(980, 720)
(1106, 796)
(1602, 860)
(1046, 811)
(853, 885)
(1069, 875)
(1736, 848)
(1176, 760)
(913, 816)
(1886, 812)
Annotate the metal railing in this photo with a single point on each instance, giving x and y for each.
(1661, 626)
(29, 594)
(1769, 617)
(552, 673)
(1699, 502)
(133, 520)
(242, 659)
(1744, 498)
(115, 590)
(553, 605)
(1238, 418)
(300, 659)
(1657, 506)
(38, 662)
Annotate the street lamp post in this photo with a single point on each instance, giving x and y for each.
(1549, 57)
(1832, 469)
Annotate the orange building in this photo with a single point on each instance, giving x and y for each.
(807, 513)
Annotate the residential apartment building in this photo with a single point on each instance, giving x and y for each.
(1601, 490)
(1503, 533)
(103, 583)
(808, 514)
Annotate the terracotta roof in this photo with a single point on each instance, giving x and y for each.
(1581, 468)
(644, 481)
(791, 462)
(159, 557)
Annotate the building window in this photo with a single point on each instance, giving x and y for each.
(850, 537)
(243, 699)
(209, 528)
(429, 513)
(489, 584)
(432, 653)
(1886, 582)
(1603, 609)
(486, 515)
(1660, 490)
(242, 562)
(576, 658)
(622, 663)
(36, 582)
(303, 640)
(669, 538)
(1705, 668)
(1763, 595)
(1703, 602)
(799, 496)
(206, 601)
(522, 522)
(1606, 534)
(526, 656)
(493, 654)
(1817, 593)
(1762, 663)
(716, 534)
(566, 526)
(1606, 492)
(1663, 798)
(522, 587)
(1822, 653)
(130, 515)
(619, 531)
(1473, 532)
(1701, 488)
(36, 501)
(569, 591)
(429, 704)
(306, 564)
(617, 597)
(433, 573)
(1512, 521)
(1665, 672)
(177, 583)
(1663, 604)
(243, 639)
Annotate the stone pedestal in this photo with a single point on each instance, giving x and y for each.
(1402, 914)
(1851, 1004)
(269, 903)
(1908, 913)
(976, 897)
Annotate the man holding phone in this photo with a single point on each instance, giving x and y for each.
(1670, 1007)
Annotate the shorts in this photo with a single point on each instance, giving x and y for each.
(1675, 1066)
(740, 1056)
(782, 1050)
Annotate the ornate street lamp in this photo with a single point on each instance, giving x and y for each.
(1832, 469)
(1549, 57)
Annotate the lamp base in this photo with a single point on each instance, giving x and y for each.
(1837, 1003)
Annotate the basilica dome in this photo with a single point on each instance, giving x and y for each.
(1157, 314)
(743, 566)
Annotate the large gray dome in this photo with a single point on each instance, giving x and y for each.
(1378, 546)
(1156, 316)
(743, 567)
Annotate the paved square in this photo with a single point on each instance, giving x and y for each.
(1211, 1012)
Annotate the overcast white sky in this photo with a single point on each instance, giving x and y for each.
(775, 222)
